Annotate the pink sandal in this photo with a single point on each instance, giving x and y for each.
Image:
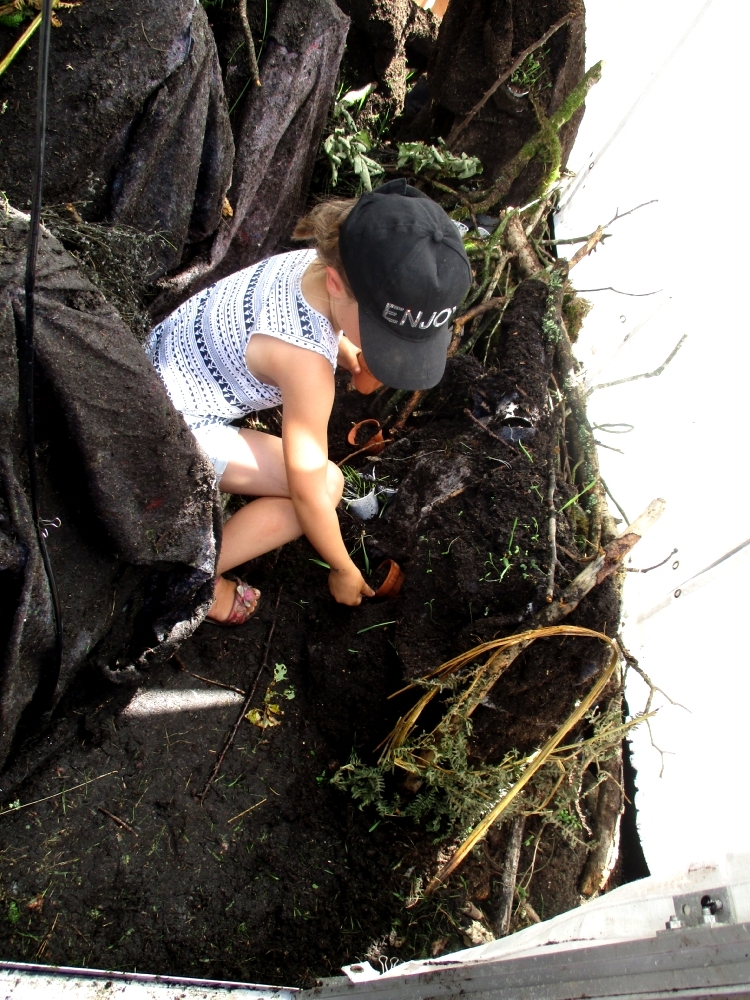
(245, 605)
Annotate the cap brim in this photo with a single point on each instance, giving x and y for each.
(403, 363)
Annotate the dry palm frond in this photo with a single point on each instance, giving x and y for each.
(539, 760)
(502, 653)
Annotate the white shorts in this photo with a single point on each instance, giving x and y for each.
(219, 443)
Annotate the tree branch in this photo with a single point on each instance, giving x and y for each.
(520, 59)
(634, 378)
(598, 236)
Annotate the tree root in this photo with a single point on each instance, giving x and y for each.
(610, 806)
(510, 873)
(242, 7)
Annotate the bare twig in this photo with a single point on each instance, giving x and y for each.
(598, 235)
(568, 242)
(485, 306)
(551, 529)
(409, 407)
(631, 661)
(614, 428)
(653, 688)
(120, 822)
(517, 63)
(543, 209)
(504, 258)
(528, 875)
(609, 447)
(609, 288)
(46, 939)
(609, 494)
(446, 496)
(634, 378)
(245, 706)
(510, 872)
(367, 446)
(632, 569)
(148, 40)
(246, 811)
(206, 680)
(27, 805)
(487, 430)
(242, 6)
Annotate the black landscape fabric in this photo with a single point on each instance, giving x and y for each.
(140, 515)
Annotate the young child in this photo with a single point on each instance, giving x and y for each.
(386, 275)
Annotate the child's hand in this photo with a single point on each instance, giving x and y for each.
(351, 358)
(365, 382)
(348, 356)
(348, 585)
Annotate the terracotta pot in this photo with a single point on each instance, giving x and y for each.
(391, 586)
(372, 445)
(365, 382)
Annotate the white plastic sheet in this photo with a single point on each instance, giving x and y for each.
(680, 144)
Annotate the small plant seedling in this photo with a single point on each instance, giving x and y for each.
(529, 72)
(379, 625)
(576, 497)
(356, 485)
(568, 819)
(14, 914)
(268, 715)
(361, 545)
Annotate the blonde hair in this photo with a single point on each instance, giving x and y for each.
(321, 226)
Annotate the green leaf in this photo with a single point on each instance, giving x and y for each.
(279, 672)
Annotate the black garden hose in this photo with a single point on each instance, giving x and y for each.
(51, 672)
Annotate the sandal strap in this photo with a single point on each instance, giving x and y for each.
(245, 601)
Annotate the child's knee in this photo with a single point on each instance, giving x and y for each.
(334, 483)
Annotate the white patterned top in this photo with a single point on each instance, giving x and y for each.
(199, 350)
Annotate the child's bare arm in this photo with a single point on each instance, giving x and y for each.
(307, 385)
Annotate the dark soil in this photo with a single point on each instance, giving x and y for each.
(305, 882)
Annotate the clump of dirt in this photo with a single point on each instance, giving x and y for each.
(278, 876)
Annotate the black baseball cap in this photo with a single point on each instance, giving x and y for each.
(406, 264)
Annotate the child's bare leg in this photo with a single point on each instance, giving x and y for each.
(257, 469)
